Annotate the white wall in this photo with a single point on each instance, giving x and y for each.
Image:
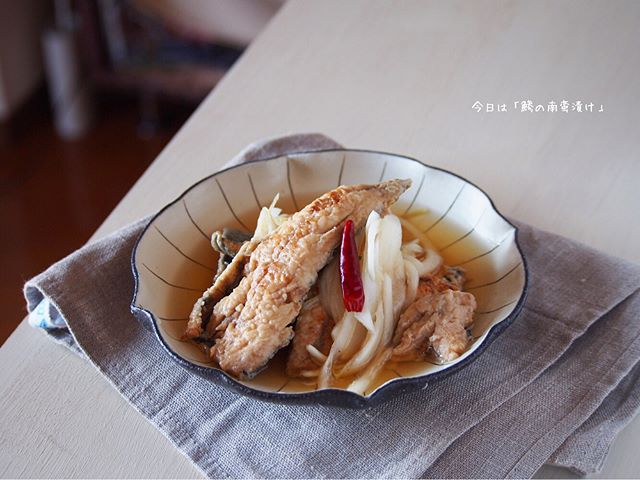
(21, 23)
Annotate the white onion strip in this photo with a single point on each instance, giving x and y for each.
(361, 384)
(316, 354)
(432, 259)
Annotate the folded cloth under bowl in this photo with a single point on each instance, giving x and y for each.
(555, 387)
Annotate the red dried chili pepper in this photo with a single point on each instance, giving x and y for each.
(350, 278)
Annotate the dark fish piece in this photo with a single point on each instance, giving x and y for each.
(313, 327)
(227, 243)
(200, 328)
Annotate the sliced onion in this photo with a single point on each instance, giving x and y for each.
(361, 384)
(269, 219)
(412, 280)
(399, 286)
(371, 253)
(353, 337)
(389, 243)
(368, 349)
(387, 306)
(371, 294)
(417, 233)
(342, 334)
(329, 290)
(432, 259)
(316, 354)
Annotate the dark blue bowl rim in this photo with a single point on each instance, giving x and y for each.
(334, 396)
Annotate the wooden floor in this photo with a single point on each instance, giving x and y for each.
(55, 193)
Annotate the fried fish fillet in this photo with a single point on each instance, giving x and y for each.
(444, 279)
(453, 315)
(436, 320)
(256, 317)
(199, 327)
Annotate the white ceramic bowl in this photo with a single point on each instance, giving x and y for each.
(173, 262)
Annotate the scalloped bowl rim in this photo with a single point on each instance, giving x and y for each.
(339, 397)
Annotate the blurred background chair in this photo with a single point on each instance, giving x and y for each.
(168, 49)
(90, 92)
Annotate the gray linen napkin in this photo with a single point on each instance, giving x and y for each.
(557, 385)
